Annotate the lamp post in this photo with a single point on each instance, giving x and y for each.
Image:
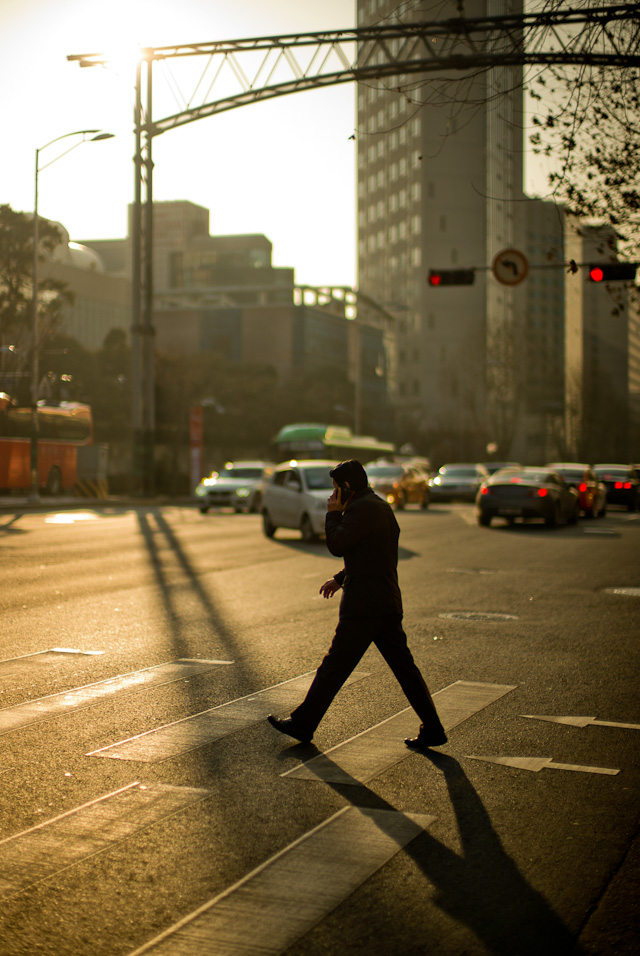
(97, 135)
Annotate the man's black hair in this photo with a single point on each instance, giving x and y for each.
(351, 471)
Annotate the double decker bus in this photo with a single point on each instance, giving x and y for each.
(62, 428)
(335, 442)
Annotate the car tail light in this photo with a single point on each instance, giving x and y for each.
(542, 492)
(582, 487)
(484, 490)
(627, 484)
(618, 485)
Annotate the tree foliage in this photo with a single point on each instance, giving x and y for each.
(16, 289)
(588, 124)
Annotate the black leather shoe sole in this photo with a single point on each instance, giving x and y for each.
(422, 742)
(288, 726)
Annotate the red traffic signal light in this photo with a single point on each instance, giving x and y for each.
(612, 271)
(438, 277)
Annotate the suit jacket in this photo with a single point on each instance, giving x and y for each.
(366, 536)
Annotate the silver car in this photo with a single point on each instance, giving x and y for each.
(296, 497)
(239, 485)
(457, 482)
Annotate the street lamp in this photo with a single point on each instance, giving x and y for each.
(97, 135)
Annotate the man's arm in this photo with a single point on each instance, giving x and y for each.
(330, 587)
(344, 529)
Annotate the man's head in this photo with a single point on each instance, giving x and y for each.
(350, 473)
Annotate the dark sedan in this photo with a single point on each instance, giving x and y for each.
(622, 483)
(457, 482)
(528, 493)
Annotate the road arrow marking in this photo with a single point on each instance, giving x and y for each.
(540, 763)
(581, 721)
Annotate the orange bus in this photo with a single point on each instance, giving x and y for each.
(61, 429)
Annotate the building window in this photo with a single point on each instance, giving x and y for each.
(416, 256)
(176, 270)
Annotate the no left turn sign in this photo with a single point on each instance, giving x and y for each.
(510, 267)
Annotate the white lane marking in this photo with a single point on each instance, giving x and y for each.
(468, 515)
(32, 711)
(69, 517)
(581, 721)
(477, 616)
(471, 571)
(375, 750)
(281, 900)
(187, 734)
(37, 656)
(542, 763)
(54, 845)
(629, 592)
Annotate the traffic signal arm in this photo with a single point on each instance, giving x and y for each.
(438, 277)
(612, 271)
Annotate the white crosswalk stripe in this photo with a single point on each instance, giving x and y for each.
(281, 900)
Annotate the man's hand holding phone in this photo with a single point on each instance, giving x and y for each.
(340, 498)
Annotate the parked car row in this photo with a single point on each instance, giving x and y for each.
(558, 492)
(294, 494)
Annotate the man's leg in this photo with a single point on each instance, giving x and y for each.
(351, 640)
(391, 641)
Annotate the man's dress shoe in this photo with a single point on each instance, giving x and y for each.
(287, 725)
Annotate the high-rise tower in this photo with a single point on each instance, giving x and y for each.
(439, 181)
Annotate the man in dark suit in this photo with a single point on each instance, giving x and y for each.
(362, 529)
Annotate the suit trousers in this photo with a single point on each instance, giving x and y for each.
(352, 638)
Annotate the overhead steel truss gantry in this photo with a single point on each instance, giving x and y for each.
(240, 72)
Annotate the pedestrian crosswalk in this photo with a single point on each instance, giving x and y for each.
(31, 712)
(284, 897)
(196, 731)
(45, 850)
(281, 900)
(379, 748)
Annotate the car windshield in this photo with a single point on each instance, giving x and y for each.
(459, 471)
(318, 479)
(242, 473)
(384, 471)
(516, 476)
(604, 470)
(571, 474)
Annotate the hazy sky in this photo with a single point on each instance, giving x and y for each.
(284, 168)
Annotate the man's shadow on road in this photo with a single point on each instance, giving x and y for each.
(482, 887)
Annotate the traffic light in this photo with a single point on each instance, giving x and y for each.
(612, 271)
(438, 277)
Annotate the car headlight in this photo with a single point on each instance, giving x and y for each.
(201, 491)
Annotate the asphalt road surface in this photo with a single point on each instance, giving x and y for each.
(146, 805)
